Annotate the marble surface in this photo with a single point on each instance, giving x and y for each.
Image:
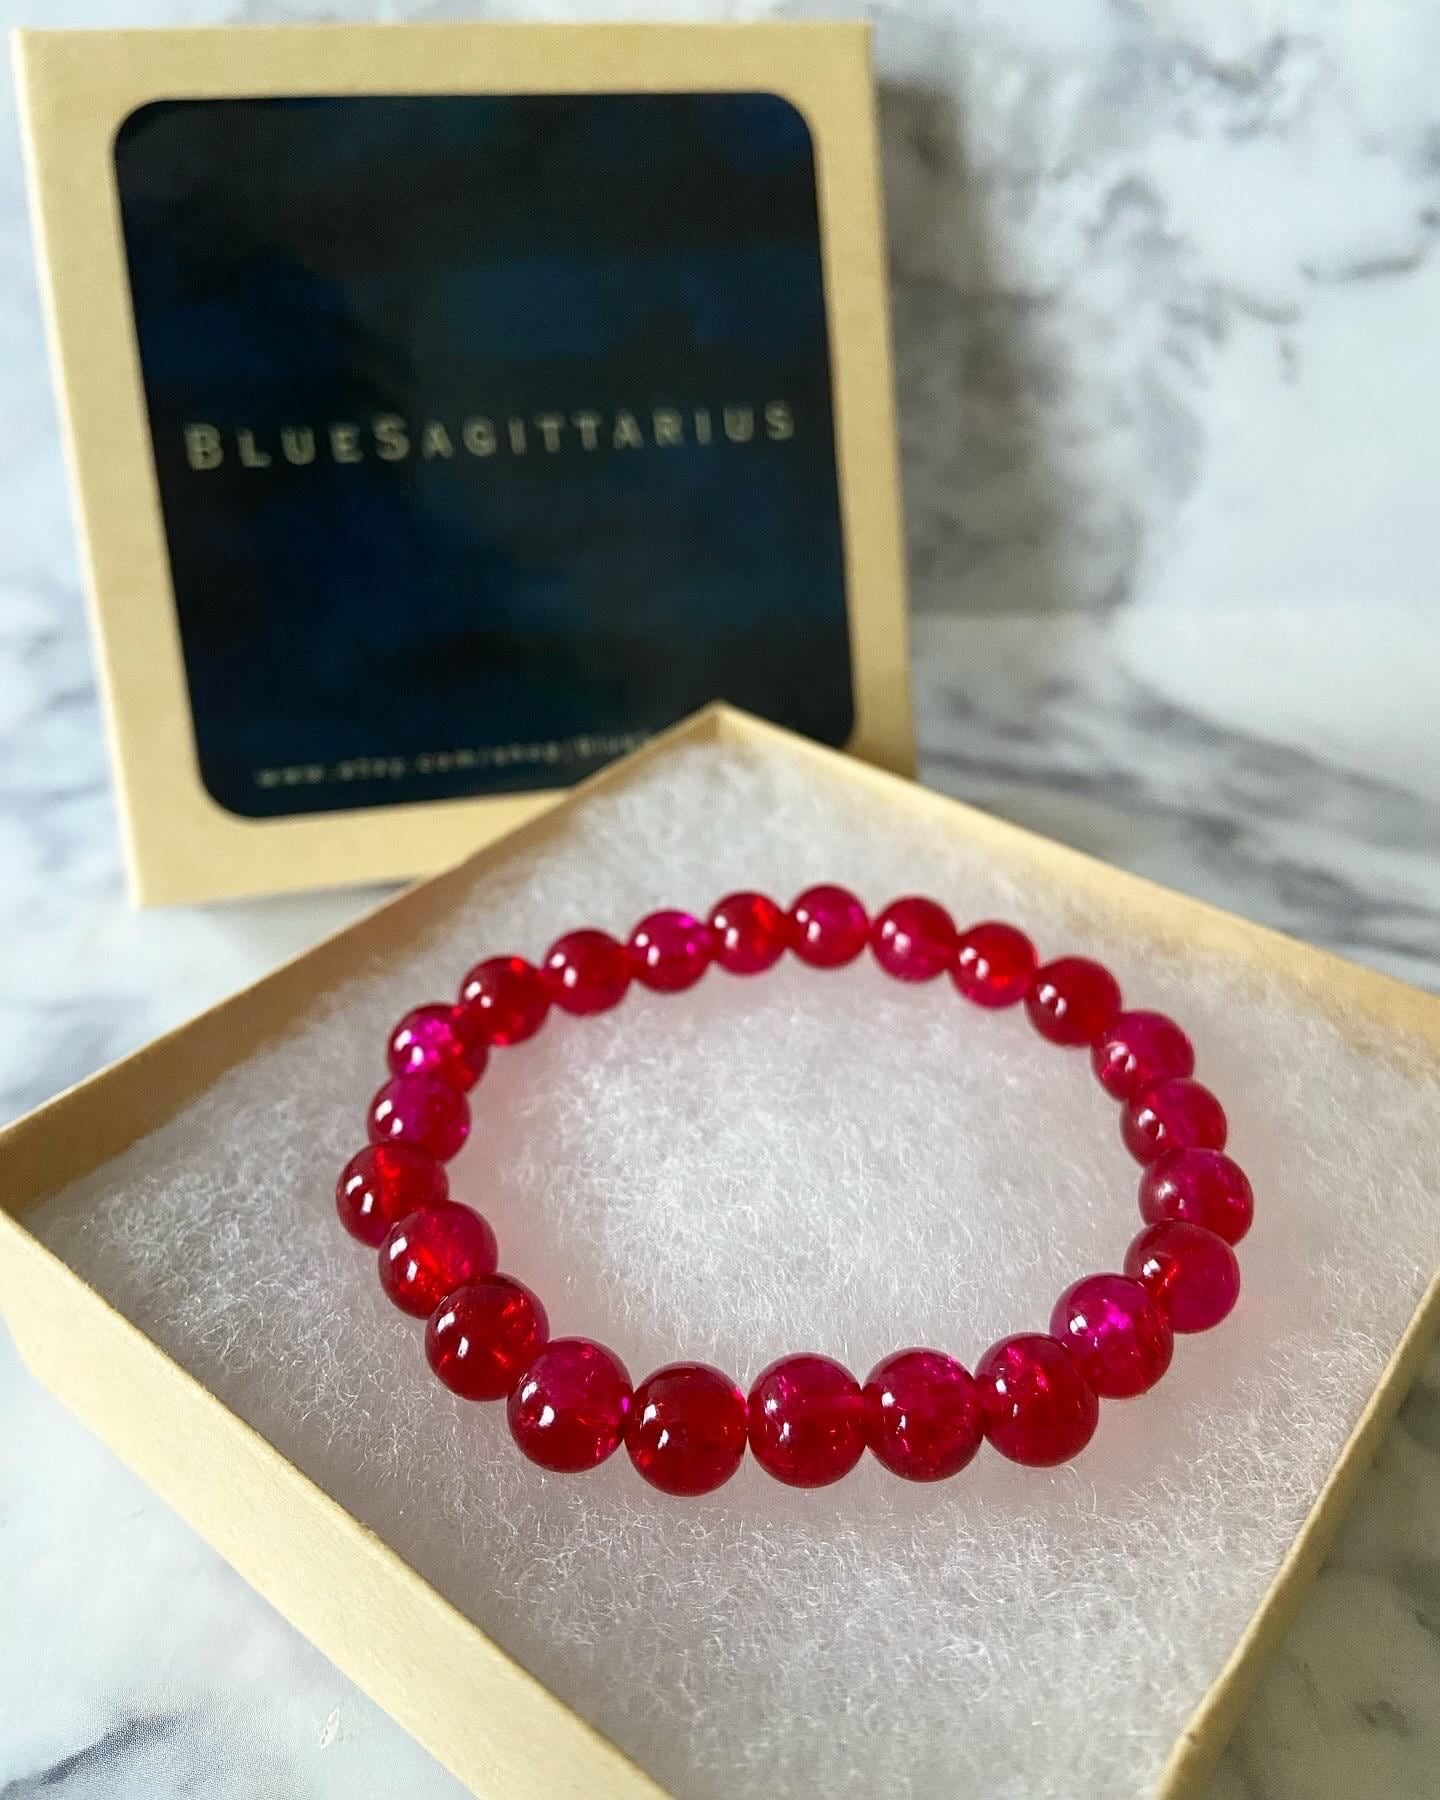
(1165, 289)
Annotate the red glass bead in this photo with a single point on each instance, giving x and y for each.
(1188, 1271)
(922, 1414)
(807, 1421)
(994, 964)
(431, 1253)
(914, 939)
(569, 1408)
(1072, 1000)
(1138, 1048)
(423, 1111)
(482, 1337)
(670, 951)
(1037, 1407)
(1119, 1339)
(434, 1040)
(750, 933)
(1200, 1187)
(687, 1429)
(505, 999)
(381, 1184)
(1173, 1115)
(829, 927)
(587, 972)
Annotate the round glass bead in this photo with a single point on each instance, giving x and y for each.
(1177, 1114)
(1189, 1272)
(434, 1040)
(568, 1410)
(431, 1253)
(913, 939)
(922, 1415)
(505, 999)
(807, 1421)
(1072, 1000)
(687, 1429)
(670, 951)
(423, 1111)
(994, 964)
(1038, 1408)
(1200, 1187)
(829, 927)
(1138, 1048)
(381, 1184)
(750, 933)
(1117, 1336)
(587, 972)
(482, 1337)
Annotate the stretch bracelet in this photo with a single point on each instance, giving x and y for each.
(570, 1402)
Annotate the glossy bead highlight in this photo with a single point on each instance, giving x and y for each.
(569, 1409)
(423, 1111)
(482, 1337)
(994, 964)
(1173, 1115)
(1118, 1338)
(431, 1253)
(750, 933)
(1137, 1049)
(1072, 1000)
(829, 927)
(913, 939)
(1198, 1187)
(670, 951)
(687, 1429)
(505, 1000)
(1190, 1273)
(922, 1415)
(435, 1040)
(1038, 1408)
(382, 1184)
(587, 972)
(807, 1421)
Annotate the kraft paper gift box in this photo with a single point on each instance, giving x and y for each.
(832, 1161)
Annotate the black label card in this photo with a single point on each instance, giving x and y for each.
(492, 433)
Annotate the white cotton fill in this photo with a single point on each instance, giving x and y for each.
(805, 1161)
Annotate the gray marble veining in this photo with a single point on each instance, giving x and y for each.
(1165, 291)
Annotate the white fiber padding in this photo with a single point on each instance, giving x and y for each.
(807, 1160)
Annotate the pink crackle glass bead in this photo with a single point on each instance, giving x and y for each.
(1200, 1187)
(922, 1414)
(994, 964)
(421, 1110)
(1037, 1407)
(687, 1429)
(1137, 1049)
(750, 933)
(505, 999)
(431, 1253)
(1072, 1000)
(829, 927)
(914, 939)
(670, 951)
(1117, 1336)
(435, 1040)
(381, 1184)
(568, 1410)
(807, 1421)
(587, 972)
(1188, 1271)
(482, 1337)
(1177, 1114)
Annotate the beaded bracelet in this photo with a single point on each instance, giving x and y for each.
(570, 1402)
